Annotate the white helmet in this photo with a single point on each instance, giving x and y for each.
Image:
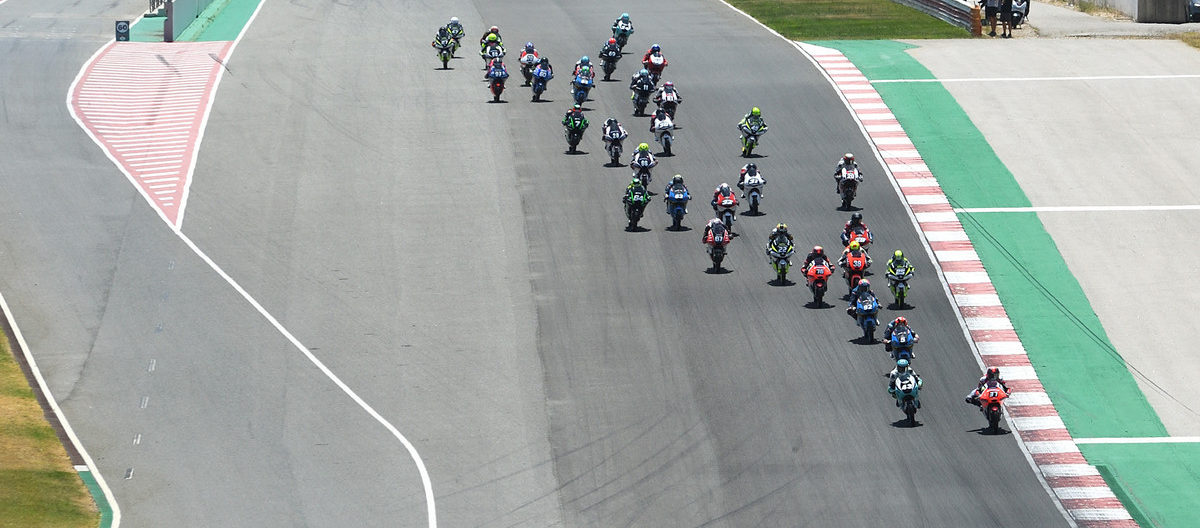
(453, 20)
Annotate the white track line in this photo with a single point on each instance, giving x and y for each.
(1077, 208)
(928, 250)
(1031, 79)
(426, 483)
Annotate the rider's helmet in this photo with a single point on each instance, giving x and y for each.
(612, 41)
(453, 20)
(724, 189)
(644, 72)
(529, 47)
(848, 158)
(898, 255)
(856, 219)
(584, 61)
(577, 108)
(901, 321)
(655, 48)
(544, 61)
(643, 147)
(993, 373)
(678, 178)
(818, 250)
(612, 121)
(669, 84)
(756, 112)
(660, 114)
(781, 228)
(864, 285)
(853, 245)
(494, 30)
(442, 33)
(625, 17)
(636, 181)
(492, 37)
(585, 71)
(751, 168)
(901, 366)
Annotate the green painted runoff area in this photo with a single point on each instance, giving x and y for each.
(222, 20)
(106, 513)
(1088, 381)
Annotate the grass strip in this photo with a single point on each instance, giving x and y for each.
(1157, 483)
(847, 19)
(38, 486)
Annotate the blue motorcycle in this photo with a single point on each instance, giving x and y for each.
(677, 200)
(580, 87)
(541, 76)
(866, 310)
(901, 345)
(906, 388)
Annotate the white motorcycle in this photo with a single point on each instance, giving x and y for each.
(753, 188)
(664, 134)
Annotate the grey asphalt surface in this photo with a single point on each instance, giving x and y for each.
(476, 286)
(1110, 146)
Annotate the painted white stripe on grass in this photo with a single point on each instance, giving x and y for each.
(1069, 470)
(1052, 446)
(1100, 514)
(1038, 423)
(967, 277)
(1141, 440)
(1078, 209)
(1024, 399)
(1031, 79)
(988, 323)
(1089, 492)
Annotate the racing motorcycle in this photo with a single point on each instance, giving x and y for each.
(445, 51)
(622, 33)
(664, 134)
(612, 143)
(991, 396)
(855, 267)
(859, 234)
(581, 86)
(669, 102)
(901, 344)
(898, 283)
(528, 62)
(906, 389)
(608, 63)
(635, 205)
(641, 97)
(496, 83)
(574, 133)
(818, 280)
(677, 200)
(750, 136)
(491, 52)
(655, 65)
(866, 311)
(641, 168)
(752, 187)
(780, 258)
(727, 209)
(541, 76)
(848, 183)
(716, 240)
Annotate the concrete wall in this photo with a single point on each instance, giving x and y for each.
(181, 13)
(1172, 11)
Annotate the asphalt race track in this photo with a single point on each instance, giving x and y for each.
(476, 286)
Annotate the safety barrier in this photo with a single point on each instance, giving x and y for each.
(181, 13)
(155, 5)
(951, 11)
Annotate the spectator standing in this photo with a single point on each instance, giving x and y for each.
(990, 8)
(1006, 12)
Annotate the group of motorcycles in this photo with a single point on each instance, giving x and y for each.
(904, 386)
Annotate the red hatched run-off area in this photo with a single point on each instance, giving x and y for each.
(145, 103)
(1076, 484)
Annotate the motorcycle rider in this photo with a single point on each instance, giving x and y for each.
(860, 292)
(443, 39)
(529, 58)
(654, 51)
(496, 70)
(667, 88)
(675, 184)
(721, 191)
(642, 152)
(579, 65)
(622, 23)
(779, 238)
(856, 221)
(454, 27)
(491, 41)
(641, 82)
(751, 121)
(991, 374)
(713, 226)
(635, 185)
(749, 170)
(483, 41)
(902, 369)
(899, 324)
(610, 50)
(575, 120)
(846, 161)
(660, 115)
(610, 125)
(815, 258)
(898, 266)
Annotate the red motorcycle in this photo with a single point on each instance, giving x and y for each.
(990, 398)
(859, 234)
(655, 65)
(856, 266)
(727, 209)
(716, 240)
(818, 274)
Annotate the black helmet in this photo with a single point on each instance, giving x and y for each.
(442, 31)
(856, 218)
(993, 373)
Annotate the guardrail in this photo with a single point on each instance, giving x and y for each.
(951, 11)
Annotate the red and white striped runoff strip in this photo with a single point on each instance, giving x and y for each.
(1077, 485)
(145, 104)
